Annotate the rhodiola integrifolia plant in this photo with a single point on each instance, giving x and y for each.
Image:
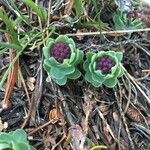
(15, 140)
(61, 59)
(103, 68)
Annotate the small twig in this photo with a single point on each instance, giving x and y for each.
(123, 116)
(49, 13)
(136, 84)
(54, 147)
(38, 128)
(108, 32)
(146, 70)
(24, 86)
(111, 44)
(142, 78)
(29, 113)
(142, 48)
(107, 125)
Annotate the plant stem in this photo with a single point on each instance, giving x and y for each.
(12, 77)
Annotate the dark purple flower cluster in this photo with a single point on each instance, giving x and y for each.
(60, 51)
(105, 64)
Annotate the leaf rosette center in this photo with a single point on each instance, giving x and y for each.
(105, 64)
(60, 51)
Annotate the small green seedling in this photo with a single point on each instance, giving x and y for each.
(61, 59)
(15, 140)
(103, 67)
(122, 22)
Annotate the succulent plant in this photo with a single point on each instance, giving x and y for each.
(122, 22)
(61, 59)
(103, 67)
(15, 140)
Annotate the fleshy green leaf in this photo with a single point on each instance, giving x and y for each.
(110, 83)
(15, 145)
(56, 73)
(51, 62)
(67, 70)
(93, 58)
(71, 41)
(113, 70)
(101, 53)
(121, 72)
(76, 74)
(88, 77)
(79, 57)
(110, 53)
(47, 67)
(49, 40)
(96, 74)
(97, 78)
(4, 146)
(96, 84)
(61, 81)
(4, 137)
(119, 56)
(46, 52)
(62, 38)
(65, 64)
(86, 65)
(73, 54)
(32, 148)
(23, 146)
(89, 55)
(20, 135)
(15, 140)
(49, 46)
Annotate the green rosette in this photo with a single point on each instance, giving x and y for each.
(15, 140)
(60, 72)
(95, 76)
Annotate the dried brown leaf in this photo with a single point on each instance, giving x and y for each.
(104, 108)
(54, 115)
(77, 135)
(3, 126)
(135, 115)
(107, 135)
(30, 83)
(69, 6)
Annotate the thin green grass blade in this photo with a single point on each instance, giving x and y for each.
(19, 13)
(95, 6)
(9, 25)
(3, 50)
(20, 52)
(78, 8)
(41, 12)
(12, 46)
